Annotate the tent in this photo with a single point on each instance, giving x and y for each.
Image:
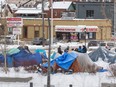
(112, 69)
(78, 62)
(20, 57)
(103, 53)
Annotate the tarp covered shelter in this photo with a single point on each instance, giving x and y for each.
(79, 62)
(20, 57)
(104, 54)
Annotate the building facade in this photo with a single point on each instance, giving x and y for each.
(95, 10)
(99, 29)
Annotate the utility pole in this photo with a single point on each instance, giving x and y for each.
(43, 42)
(52, 25)
(5, 64)
(49, 70)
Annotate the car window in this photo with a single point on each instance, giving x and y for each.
(93, 43)
(102, 44)
(110, 44)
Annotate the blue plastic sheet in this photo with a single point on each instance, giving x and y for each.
(41, 51)
(24, 58)
(64, 61)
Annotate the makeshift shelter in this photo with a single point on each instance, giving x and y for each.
(20, 57)
(112, 69)
(78, 62)
(103, 53)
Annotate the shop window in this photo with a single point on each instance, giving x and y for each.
(25, 32)
(36, 34)
(89, 13)
(89, 35)
(55, 13)
(10, 30)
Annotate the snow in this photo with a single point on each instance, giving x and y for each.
(61, 4)
(13, 6)
(59, 79)
(28, 11)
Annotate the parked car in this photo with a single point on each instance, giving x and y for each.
(7, 39)
(39, 41)
(93, 43)
(54, 40)
(107, 45)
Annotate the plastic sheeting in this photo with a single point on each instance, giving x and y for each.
(13, 51)
(41, 51)
(25, 59)
(104, 54)
(64, 61)
(22, 58)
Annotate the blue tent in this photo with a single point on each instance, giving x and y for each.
(41, 51)
(64, 61)
(25, 59)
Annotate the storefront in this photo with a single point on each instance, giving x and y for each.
(76, 33)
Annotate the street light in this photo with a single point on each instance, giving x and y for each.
(85, 35)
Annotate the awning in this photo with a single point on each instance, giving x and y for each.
(79, 28)
(59, 28)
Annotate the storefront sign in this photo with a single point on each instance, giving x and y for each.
(87, 28)
(65, 28)
(76, 28)
(17, 31)
(14, 22)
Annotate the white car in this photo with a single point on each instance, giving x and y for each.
(107, 45)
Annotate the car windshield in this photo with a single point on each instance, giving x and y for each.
(110, 44)
(102, 44)
(93, 43)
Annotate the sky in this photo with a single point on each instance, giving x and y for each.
(59, 79)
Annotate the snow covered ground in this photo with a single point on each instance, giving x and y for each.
(59, 79)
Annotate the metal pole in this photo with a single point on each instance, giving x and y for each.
(85, 36)
(49, 70)
(5, 64)
(52, 22)
(43, 43)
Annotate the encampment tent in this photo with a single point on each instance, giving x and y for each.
(103, 53)
(78, 62)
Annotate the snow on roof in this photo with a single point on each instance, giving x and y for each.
(61, 4)
(13, 6)
(3, 1)
(28, 11)
(46, 6)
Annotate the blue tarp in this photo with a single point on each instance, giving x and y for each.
(9, 61)
(1, 58)
(41, 51)
(24, 58)
(64, 61)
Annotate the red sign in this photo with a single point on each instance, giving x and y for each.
(89, 29)
(14, 22)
